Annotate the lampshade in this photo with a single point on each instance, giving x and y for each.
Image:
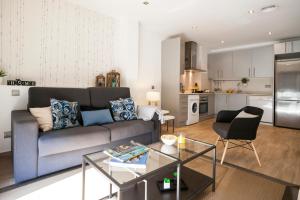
(153, 96)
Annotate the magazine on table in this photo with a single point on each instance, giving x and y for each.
(139, 162)
(128, 152)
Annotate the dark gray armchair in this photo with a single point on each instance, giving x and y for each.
(228, 127)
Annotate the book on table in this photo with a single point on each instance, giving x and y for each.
(139, 162)
(128, 152)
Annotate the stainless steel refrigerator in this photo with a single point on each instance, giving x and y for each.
(287, 93)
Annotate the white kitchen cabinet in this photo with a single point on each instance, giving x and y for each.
(242, 61)
(262, 62)
(225, 65)
(220, 66)
(211, 104)
(287, 47)
(279, 48)
(212, 66)
(296, 46)
(265, 103)
(229, 102)
(236, 101)
(220, 102)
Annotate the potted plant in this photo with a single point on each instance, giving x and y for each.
(2, 74)
(245, 81)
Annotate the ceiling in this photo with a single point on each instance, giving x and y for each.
(215, 20)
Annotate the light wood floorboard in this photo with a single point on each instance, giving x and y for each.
(278, 150)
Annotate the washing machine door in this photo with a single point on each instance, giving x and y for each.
(194, 108)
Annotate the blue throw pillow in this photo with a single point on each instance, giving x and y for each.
(64, 114)
(96, 117)
(123, 109)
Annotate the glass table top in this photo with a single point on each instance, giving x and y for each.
(184, 152)
(121, 175)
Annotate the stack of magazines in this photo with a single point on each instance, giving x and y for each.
(132, 155)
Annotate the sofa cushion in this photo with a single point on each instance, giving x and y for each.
(65, 140)
(100, 97)
(43, 117)
(40, 96)
(64, 114)
(221, 128)
(126, 129)
(123, 109)
(96, 117)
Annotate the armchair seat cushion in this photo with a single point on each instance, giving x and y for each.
(65, 140)
(221, 128)
(127, 129)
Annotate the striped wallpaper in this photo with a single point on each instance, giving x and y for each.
(55, 43)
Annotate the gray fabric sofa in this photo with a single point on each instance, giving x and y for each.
(36, 153)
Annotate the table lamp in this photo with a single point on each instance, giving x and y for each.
(153, 96)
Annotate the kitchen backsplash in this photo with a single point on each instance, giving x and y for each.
(254, 85)
(188, 79)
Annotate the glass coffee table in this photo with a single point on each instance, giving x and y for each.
(162, 162)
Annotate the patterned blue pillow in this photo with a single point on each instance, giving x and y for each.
(123, 109)
(64, 114)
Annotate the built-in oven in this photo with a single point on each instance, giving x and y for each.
(203, 105)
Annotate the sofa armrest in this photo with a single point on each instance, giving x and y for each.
(25, 132)
(156, 130)
(226, 116)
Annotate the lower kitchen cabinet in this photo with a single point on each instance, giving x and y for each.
(220, 102)
(229, 102)
(236, 101)
(211, 104)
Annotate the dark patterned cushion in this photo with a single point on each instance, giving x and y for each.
(64, 114)
(123, 109)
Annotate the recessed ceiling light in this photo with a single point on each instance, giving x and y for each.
(270, 8)
(270, 33)
(222, 41)
(251, 12)
(146, 3)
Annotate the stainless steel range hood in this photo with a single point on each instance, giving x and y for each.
(190, 60)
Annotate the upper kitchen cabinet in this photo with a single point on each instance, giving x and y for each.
(296, 46)
(262, 62)
(242, 63)
(287, 47)
(225, 66)
(212, 66)
(220, 66)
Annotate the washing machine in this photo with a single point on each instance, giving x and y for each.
(193, 109)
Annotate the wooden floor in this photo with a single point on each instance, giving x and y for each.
(231, 184)
(6, 170)
(278, 149)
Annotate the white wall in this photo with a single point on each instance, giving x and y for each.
(56, 43)
(9, 103)
(149, 72)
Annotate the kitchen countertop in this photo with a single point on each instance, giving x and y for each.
(248, 93)
(245, 93)
(203, 93)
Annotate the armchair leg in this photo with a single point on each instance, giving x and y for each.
(217, 141)
(224, 152)
(256, 155)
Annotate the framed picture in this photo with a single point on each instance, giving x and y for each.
(113, 79)
(100, 80)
